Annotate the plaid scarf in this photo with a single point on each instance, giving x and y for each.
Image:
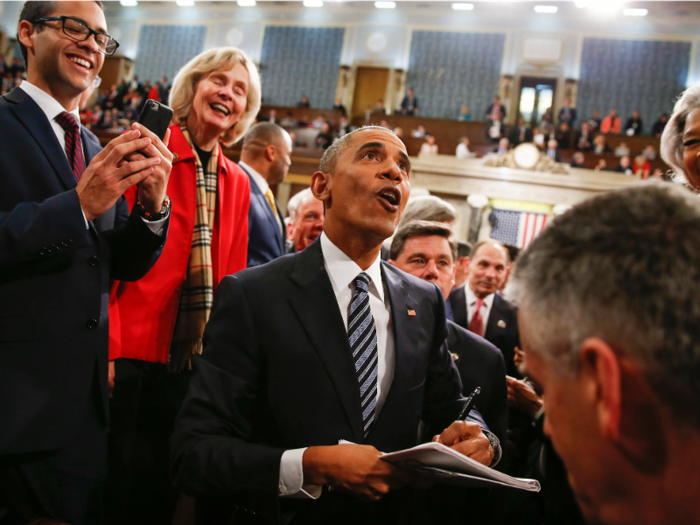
(198, 289)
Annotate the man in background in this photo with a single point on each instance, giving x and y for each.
(305, 220)
(265, 157)
(477, 307)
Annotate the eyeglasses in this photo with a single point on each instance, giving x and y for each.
(80, 32)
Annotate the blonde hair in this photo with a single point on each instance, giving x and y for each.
(187, 79)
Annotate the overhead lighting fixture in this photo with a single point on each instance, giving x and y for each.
(580, 4)
(385, 5)
(463, 7)
(247, 3)
(129, 3)
(313, 3)
(635, 12)
(185, 3)
(550, 9)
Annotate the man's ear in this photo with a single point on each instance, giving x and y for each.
(25, 31)
(290, 231)
(320, 187)
(270, 153)
(603, 385)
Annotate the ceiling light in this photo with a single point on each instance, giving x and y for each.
(185, 3)
(580, 3)
(546, 9)
(385, 5)
(128, 3)
(636, 12)
(247, 3)
(313, 3)
(463, 7)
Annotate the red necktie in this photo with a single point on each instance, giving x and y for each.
(477, 323)
(74, 144)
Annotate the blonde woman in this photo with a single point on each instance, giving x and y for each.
(157, 323)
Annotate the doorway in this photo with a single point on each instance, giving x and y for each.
(536, 96)
(370, 86)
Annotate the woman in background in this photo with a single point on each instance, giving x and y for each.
(680, 141)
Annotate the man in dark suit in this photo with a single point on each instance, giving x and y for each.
(567, 114)
(355, 353)
(65, 231)
(425, 249)
(409, 104)
(497, 319)
(265, 157)
(521, 133)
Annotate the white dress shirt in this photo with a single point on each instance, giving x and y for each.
(471, 306)
(342, 272)
(52, 108)
(263, 186)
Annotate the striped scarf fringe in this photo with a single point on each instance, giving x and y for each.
(198, 289)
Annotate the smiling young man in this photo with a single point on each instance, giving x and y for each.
(349, 349)
(65, 231)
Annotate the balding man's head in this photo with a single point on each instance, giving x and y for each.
(267, 148)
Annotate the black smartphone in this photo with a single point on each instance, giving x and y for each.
(156, 117)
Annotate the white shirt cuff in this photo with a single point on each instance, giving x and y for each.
(292, 476)
(157, 227)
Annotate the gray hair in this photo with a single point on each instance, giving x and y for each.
(672, 137)
(428, 208)
(295, 202)
(329, 161)
(623, 267)
(421, 229)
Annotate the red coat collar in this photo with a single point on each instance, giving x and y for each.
(183, 151)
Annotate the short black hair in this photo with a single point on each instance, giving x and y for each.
(33, 11)
(464, 249)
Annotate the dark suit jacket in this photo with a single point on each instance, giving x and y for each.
(515, 136)
(265, 241)
(501, 330)
(54, 283)
(276, 374)
(481, 364)
(502, 112)
(572, 116)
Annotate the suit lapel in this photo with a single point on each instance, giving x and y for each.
(34, 120)
(262, 200)
(405, 331)
(316, 306)
(493, 332)
(458, 301)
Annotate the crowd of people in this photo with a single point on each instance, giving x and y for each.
(173, 349)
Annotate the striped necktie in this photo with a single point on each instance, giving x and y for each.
(362, 332)
(74, 144)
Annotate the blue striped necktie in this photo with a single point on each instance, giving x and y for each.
(362, 332)
(74, 145)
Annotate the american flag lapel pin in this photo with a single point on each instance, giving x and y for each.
(412, 313)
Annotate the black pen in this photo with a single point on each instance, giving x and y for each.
(469, 404)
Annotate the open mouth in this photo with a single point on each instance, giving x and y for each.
(81, 62)
(390, 199)
(220, 108)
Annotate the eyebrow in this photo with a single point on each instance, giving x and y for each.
(99, 29)
(380, 145)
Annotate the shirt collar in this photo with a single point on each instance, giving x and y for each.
(49, 105)
(343, 270)
(260, 181)
(471, 297)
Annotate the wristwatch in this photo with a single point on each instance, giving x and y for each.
(153, 217)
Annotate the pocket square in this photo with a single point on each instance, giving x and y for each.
(501, 323)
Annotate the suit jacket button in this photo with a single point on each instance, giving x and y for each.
(92, 323)
(93, 261)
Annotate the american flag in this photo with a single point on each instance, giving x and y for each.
(515, 227)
